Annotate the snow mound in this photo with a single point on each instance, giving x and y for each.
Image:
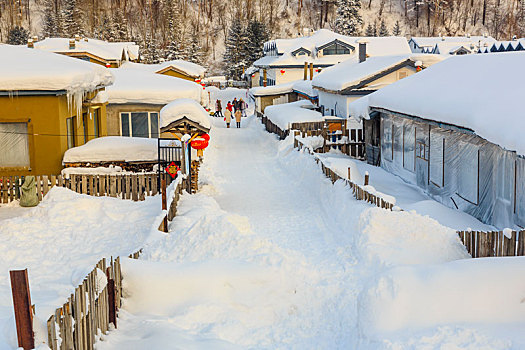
(103, 49)
(294, 112)
(415, 297)
(138, 86)
(407, 238)
(115, 148)
(181, 108)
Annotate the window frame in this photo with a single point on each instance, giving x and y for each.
(28, 140)
(462, 196)
(96, 122)
(85, 126)
(130, 125)
(71, 132)
(431, 157)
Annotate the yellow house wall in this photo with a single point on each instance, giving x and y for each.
(114, 110)
(47, 129)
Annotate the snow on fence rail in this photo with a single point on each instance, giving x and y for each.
(493, 243)
(128, 186)
(350, 142)
(359, 192)
(89, 311)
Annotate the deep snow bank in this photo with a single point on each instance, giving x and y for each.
(60, 241)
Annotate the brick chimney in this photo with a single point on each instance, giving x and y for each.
(30, 43)
(72, 44)
(362, 50)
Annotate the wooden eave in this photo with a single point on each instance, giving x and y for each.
(90, 55)
(301, 49)
(168, 68)
(184, 122)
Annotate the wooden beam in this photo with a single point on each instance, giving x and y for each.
(23, 310)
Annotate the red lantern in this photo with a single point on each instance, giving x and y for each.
(205, 136)
(282, 71)
(108, 65)
(418, 69)
(199, 143)
(198, 81)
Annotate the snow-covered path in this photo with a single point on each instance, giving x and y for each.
(269, 254)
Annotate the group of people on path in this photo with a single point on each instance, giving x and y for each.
(235, 108)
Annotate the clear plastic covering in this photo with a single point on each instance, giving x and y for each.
(14, 145)
(457, 168)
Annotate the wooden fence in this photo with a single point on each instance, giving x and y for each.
(89, 311)
(131, 186)
(481, 244)
(359, 192)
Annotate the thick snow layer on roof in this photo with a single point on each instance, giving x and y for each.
(376, 46)
(351, 72)
(28, 69)
(305, 87)
(432, 41)
(99, 48)
(450, 48)
(181, 108)
(273, 89)
(113, 149)
(137, 86)
(478, 92)
(189, 68)
(295, 112)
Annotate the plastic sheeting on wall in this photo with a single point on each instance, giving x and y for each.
(458, 169)
(14, 145)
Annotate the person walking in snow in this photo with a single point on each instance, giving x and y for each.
(242, 106)
(228, 115)
(238, 117)
(235, 104)
(218, 109)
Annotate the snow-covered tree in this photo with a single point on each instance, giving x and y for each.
(120, 26)
(72, 19)
(235, 56)
(383, 30)
(371, 30)
(396, 31)
(49, 20)
(256, 34)
(17, 36)
(348, 19)
(176, 43)
(150, 50)
(194, 51)
(106, 30)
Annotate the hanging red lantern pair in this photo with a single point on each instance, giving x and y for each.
(200, 142)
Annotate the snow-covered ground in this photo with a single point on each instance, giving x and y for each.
(59, 242)
(269, 254)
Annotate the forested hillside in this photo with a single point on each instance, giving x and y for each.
(197, 30)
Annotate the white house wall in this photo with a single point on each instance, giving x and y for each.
(339, 103)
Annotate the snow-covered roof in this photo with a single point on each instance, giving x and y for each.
(25, 69)
(294, 112)
(376, 46)
(432, 41)
(184, 108)
(138, 86)
(469, 91)
(113, 149)
(191, 69)
(111, 51)
(351, 72)
(278, 89)
(304, 87)
(451, 48)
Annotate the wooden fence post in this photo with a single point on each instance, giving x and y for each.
(367, 178)
(111, 299)
(22, 306)
(349, 175)
(164, 205)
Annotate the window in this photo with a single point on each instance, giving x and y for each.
(336, 49)
(468, 172)
(437, 159)
(85, 126)
(387, 139)
(96, 122)
(519, 204)
(14, 145)
(401, 75)
(409, 143)
(70, 125)
(140, 124)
